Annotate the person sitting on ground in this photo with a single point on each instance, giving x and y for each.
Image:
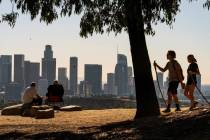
(191, 80)
(175, 76)
(30, 98)
(55, 92)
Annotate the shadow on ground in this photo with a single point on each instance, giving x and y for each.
(178, 126)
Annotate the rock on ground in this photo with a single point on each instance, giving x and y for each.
(12, 110)
(71, 108)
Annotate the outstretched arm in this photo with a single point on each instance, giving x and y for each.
(160, 68)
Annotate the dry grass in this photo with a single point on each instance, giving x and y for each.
(109, 124)
(68, 121)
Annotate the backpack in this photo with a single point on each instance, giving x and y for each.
(181, 71)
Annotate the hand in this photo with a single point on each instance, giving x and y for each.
(155, 64)
(183, 85)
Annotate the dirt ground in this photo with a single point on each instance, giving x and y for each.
(116, 124)
(65, 120)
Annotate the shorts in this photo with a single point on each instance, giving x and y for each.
(172, 88)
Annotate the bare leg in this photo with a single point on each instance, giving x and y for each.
(186, 92)
(191, 96)
(168, 109)
(169, 98)
(176, 100)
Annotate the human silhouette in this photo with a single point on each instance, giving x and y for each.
(192, 71)
(30, 97)
(175, 77)
(55, 92)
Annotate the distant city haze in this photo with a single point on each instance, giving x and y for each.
(190, 35)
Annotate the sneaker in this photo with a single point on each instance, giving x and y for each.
(178, 109)
(193, 106)
(195, 103)
(167, 110)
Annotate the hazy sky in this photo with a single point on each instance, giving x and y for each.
(190, 35)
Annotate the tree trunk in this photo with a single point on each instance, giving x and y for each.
(147, 104)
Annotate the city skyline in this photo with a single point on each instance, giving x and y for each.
(80, 78)
(187, 36)
(27, 62)
(121, 83)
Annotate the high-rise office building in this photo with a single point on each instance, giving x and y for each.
(27, 71)
(121, 75)
(62, 77)
(13, 92)
(48, 65)
(105, 89)
(42, 87)
(5, 70)
(111, 88)
(84, 89)
(159, 82)
(31, 72)
(19, 69)
(35, 71)
(131, 82)
(160, 79)
(93, 77)
(73, 70)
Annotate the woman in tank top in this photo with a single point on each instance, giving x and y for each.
(192, 71)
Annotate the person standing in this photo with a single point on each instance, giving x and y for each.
(192, 71)
(175, 77)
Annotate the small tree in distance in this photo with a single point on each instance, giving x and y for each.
(135, 17)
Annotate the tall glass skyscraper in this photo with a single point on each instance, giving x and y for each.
(5, 70)
(31, 70)
(48, 65)
(93, 77)
(121, 75)
(19, 69)
(62, 77)
(73, 70)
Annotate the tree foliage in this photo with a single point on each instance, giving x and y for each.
(97, 15)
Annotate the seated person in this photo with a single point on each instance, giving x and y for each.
(55, 92)
(30, 98)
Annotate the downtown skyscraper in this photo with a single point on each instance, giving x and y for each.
(160, 79)
(19, 69)
(73, 74)
(31, 72)
(111, 88)
(93, 78)
(5, 70)
(121, 75)
(62, 77)
(48, 65)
